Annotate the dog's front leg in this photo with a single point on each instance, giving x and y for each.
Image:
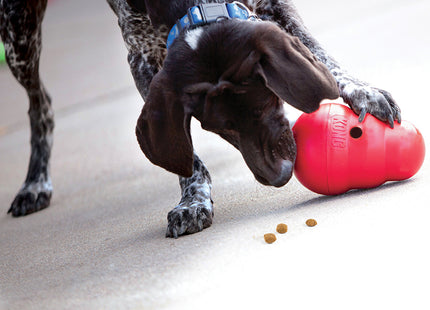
(146, 53)
(362, 97)
(195, 210)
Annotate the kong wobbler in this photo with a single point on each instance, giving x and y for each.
(337, 153)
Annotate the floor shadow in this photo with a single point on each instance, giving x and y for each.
(351, 194)
(244, 215)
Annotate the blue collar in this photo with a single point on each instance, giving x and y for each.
(208, 13)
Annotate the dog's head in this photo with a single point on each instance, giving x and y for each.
(233, 77)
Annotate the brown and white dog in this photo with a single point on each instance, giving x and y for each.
(231, 73)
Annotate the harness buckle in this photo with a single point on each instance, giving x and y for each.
(212, 12)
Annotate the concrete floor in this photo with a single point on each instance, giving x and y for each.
(101, 245)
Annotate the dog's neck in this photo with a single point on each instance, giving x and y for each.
(208, 13)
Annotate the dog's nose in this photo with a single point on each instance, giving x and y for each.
(285, 174)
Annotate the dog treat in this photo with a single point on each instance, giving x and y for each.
(311, 222)
(282, 228)
(269, 238)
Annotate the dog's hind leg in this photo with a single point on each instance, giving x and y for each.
(20, 28)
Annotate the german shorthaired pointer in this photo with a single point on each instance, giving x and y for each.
(230, 64)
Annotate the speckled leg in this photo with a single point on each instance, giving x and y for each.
(362, 97)
(145, 43)
(146, 52)
(20, 28)
(195, 210)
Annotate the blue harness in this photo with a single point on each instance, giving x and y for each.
(208, 13)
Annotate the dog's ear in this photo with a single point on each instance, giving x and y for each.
(163, 128)
(287, 68)
(293, 73)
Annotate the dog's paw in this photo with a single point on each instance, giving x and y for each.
(30, 200)
(184, 220)
(365, 99)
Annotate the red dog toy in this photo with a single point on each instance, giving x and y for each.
(336, 153)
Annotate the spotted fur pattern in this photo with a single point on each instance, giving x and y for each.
(145, 43)
(362, 97)
(145, 36)
(195, 210)
(20, 29)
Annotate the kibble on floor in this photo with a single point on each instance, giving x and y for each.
(282, 228)
(269, 238)
(311, 222)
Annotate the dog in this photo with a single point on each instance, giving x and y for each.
(231, 65)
